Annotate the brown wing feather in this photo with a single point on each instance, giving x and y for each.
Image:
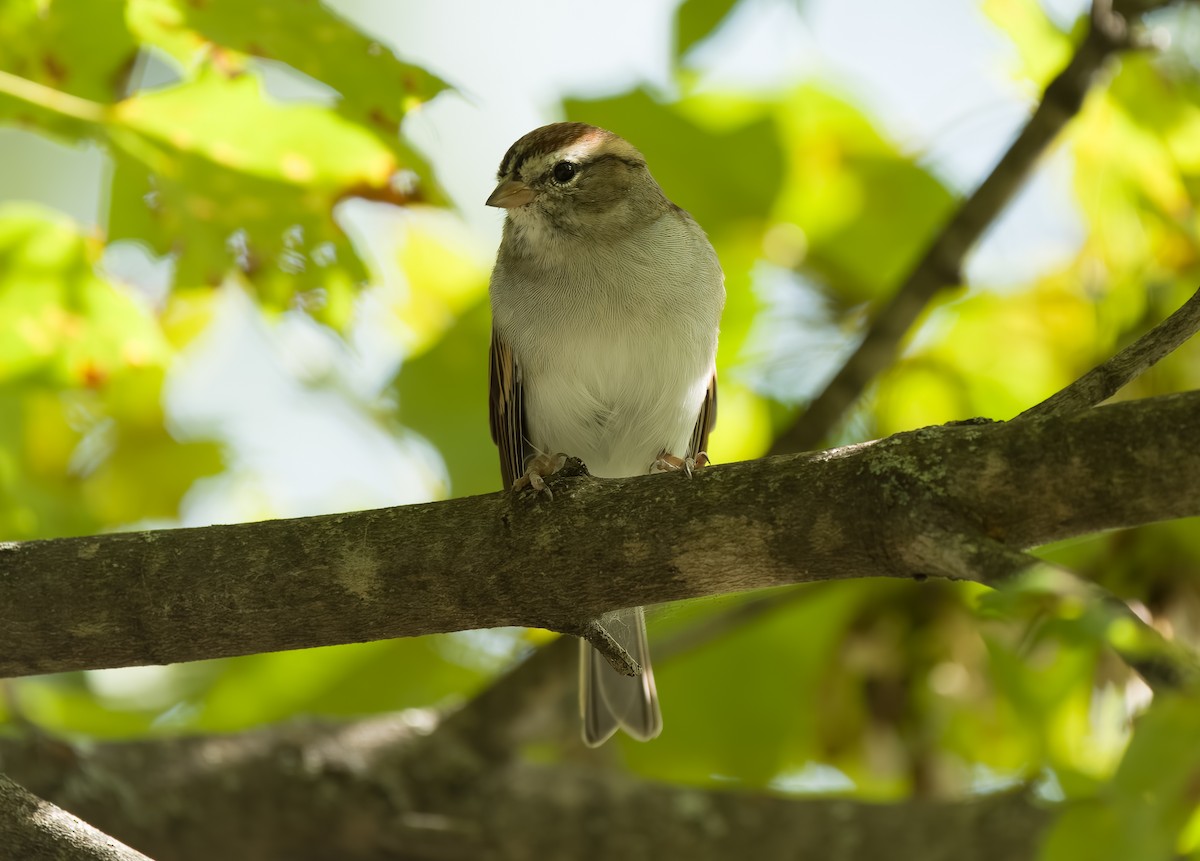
(506, 413)
(706, 420)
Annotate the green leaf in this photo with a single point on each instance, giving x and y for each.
(749, 724)
(992, 354)
(62, 63)
(230, 180)
(1137, 175)
(1042, 48)
(849, 190)
(377, 89)
(210, 169)
(63, 324)
(454, 417)
(444, 321)
(444, 277)
(1143, 811)
(81, 370)
(697, 19)
(81, 47)
(346, 680)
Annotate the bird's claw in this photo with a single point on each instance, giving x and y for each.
(537, 470)
(667, 462)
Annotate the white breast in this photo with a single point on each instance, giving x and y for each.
(615, 350)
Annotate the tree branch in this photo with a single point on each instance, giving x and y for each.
(940, 265)
(1104, 380)
(606, 644)
(35, 829)
(364, 790)
(487, 561)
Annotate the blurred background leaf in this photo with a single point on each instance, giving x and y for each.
(82, 364)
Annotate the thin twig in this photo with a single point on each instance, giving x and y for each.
(1104, 380)
(50, 99)
(940, 265)
(612, 651)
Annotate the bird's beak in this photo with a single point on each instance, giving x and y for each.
(511, 193)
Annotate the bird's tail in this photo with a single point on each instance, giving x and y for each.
(609, 700)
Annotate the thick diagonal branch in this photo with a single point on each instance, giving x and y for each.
(36, 829)
(487, 561)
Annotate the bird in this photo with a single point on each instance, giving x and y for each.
(606, 303)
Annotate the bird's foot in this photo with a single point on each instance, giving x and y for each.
(667, 462)
(537, 470)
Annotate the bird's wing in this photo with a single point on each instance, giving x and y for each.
(706, 420)
(506, 411)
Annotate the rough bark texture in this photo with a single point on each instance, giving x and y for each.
(34, 830)
(371, 790)
(875, 509)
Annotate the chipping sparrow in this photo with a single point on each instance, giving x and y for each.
(606, 299)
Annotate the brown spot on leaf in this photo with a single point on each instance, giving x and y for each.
(56, 72)
(379, 118)
(92, 376)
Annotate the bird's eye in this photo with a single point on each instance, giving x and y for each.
(564, 172)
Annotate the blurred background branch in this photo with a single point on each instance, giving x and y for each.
(358, 791)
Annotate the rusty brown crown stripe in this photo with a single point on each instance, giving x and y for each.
(545, 140)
